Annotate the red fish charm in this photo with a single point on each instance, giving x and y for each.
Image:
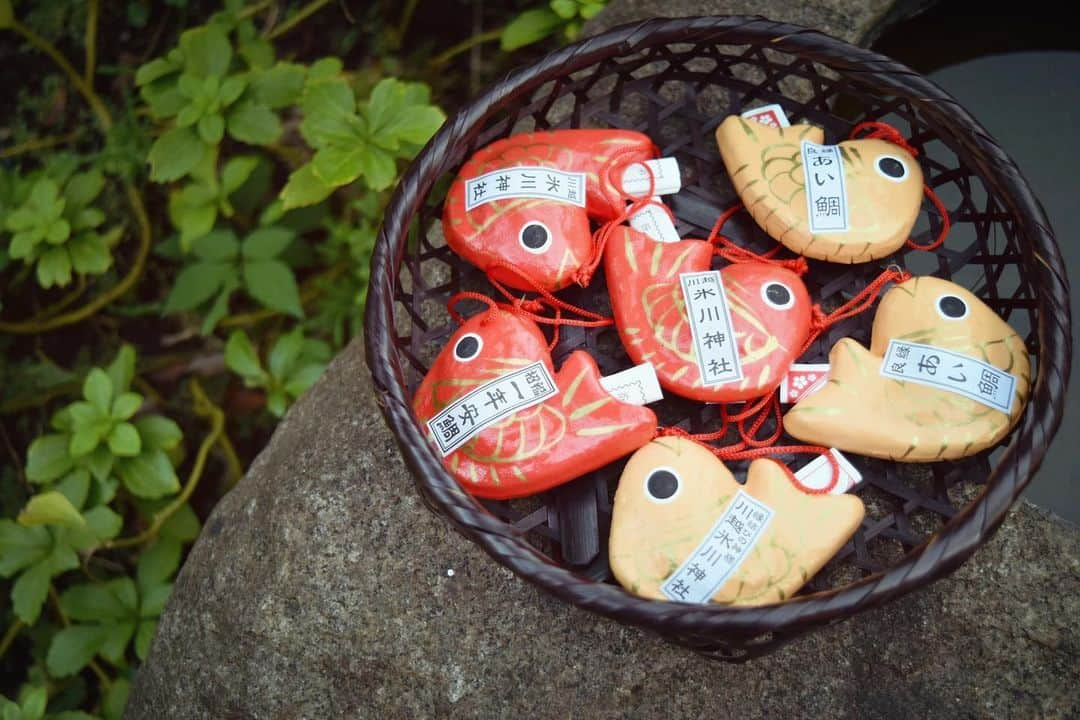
(547, 239)
(770, 314)
(579, 429)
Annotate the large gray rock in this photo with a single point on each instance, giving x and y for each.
(320, 588)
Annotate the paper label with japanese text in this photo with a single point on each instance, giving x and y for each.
(802, 379)
(654, 221)
(637, 385)
(721, 552)
(826, 195)
(947, 370)
(525, 182)
(665, 175)
(771, 115)
(485, 405)
(711, 328)
(817, 474)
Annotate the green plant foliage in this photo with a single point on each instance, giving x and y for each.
(57, 229)
(293, 365)
(536, 24)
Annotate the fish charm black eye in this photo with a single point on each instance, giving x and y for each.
(535, 237)
(891, 168)
(952, 308)
(468, 347)
(777, 295)
(662, 485)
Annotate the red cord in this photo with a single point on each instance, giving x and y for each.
(736, 254)
(819, 321)
(884, 131)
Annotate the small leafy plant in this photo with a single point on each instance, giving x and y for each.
(293, 365)
(564, 16)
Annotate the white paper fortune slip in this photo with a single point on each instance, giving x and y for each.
(654, 221)
(721, 552)
(665, 174)
(525, 182)
(485, 405)
(710, 325)
(817, 474)
(826, 195)
(771, 115)
(947, 370)
(637, 385)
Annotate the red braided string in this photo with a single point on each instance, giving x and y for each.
(884, 131)
(736, 254)
(819, 321)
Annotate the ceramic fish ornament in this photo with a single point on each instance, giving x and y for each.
(578, 429)
(674, 494)
(882, 182)
(546, 238)
(770, 314)
(945, 377)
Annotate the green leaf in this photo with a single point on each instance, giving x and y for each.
(33, 703)
(86, 219)
(218, 245)
(29, 592)
(100, 463)
(193, 210)
(211, 129)
(73, 648)
(116, 697)
(121, 370)
(158, 432)
(194, 285)
(117, 637)
(101, 524)
(144, 637)
(398, 111)
(82, 188)
(58, 232)
(324, 68)
(89, 254)
(150, 475)
(253, 123)
(86, 438)
(231, 89)
(75, 486)
(241, 357)
(125, 405)
(304, 188)
(102, 602)
(300, 381)
(219, 308)
(279, 86)
(284, 354)
(589, 10)
(529, 27)
(271, 282)
(50, 508)
(124, 440)
(7, 16)
(21, 546)
(565, 9)
(98, 390)
(337, 165)
(174, 154)
(48, 458)
(277, 402)
(54, 268)
(331, 99)
(236, 172)
(183, 525)
(157, 562)
(154, 70)
(83, 414)
(379, 168)
(266, 243)
(207, 51)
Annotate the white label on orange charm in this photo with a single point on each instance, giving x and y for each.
(637, 385)
(803, 379)
(525, 182)
(771, 115)
(826, 195)
(817, 474)
(665, 176)
(951, 371)
(710, 325)
(654, 221)
(485, 405)
(721, 552)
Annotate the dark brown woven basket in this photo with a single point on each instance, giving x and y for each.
(676, 79)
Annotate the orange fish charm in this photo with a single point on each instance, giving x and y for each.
(579, 428)
(770, 314)
(545, 238)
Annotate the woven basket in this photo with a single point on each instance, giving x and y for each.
(676, 80)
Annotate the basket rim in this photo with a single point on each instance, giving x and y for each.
(943, 552)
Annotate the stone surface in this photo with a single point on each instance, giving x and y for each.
(851, 21)
(321, 588)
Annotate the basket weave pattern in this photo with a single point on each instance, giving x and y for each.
(675, 80)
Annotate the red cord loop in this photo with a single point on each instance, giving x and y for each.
(733, 253)
(884, 131)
